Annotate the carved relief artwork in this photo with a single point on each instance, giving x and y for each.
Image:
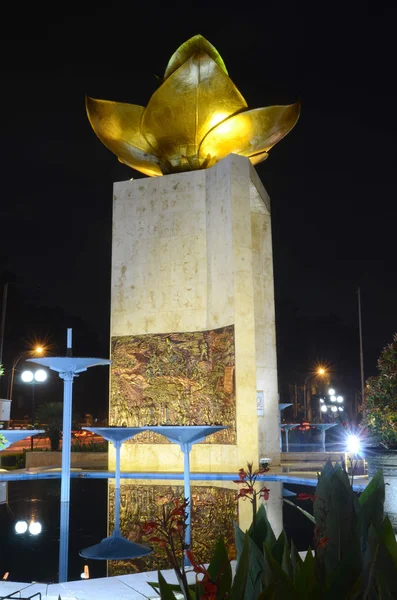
(174, 379)
(213, 511)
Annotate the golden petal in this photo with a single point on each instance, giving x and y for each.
(258, 158)
(196, 44)
(250, 133)
(117, 125)
(187, 105)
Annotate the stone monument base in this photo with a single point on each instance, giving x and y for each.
(191, 263)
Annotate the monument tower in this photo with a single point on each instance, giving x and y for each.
(192, 306)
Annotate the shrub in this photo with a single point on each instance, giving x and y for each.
(380, 409)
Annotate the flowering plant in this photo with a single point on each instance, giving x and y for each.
(168, 532)
(354, 549)
(212, 583)
(247, 481)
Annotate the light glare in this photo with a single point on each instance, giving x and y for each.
(35, 528)
(27, 376)
(333, 398)
(40, 375)
(353, 444)
(324, 408)
(334, 408)
(339, 399)
(331, 392)
(21, 526)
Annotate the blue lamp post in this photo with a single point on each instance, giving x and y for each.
(67, 368)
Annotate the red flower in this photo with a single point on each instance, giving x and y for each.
(210, 588)
(210, 591)
(149, 527)
(303, 496)
(157, 540)
(197, 568)
(242, 474)
(244, 492)
(264, 493)
(322, 542)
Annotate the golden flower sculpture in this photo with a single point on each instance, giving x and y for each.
(195, 118)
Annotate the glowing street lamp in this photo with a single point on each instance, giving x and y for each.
(35, 528)
(353, 444)
(21, 527)
(332, 402)
(38, 350)
(34, 377)
(319, 372)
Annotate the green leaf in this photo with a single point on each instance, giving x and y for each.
(174, 587)
(286, 563)
(240, 579)
(256, 564)
(296, 560)
(387, 536)
(302, 510)
(371, 503)
(336, 513)
(165, 588)
(383, 590)
(220, 569)
(276, 580)
(262, 533)
(306, 583)
(281, 554)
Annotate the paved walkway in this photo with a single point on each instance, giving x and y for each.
(125, 587)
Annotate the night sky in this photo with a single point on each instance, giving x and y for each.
(331, 180)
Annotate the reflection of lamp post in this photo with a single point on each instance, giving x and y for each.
(38, 376)
(37, 350)
(320, 372)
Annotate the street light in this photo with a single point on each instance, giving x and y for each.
(332, 402)
(38, 376)
(37, 350)
(320, 372)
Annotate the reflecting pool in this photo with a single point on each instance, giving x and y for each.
(29, 557)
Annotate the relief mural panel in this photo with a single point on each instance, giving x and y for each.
(174, 379)
(213, 512)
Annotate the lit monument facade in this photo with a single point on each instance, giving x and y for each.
(192, 309)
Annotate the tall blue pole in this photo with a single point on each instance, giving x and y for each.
(67, 377)
(68, 367)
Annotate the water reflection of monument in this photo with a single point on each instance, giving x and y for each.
(193, 324)
(214, 508)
